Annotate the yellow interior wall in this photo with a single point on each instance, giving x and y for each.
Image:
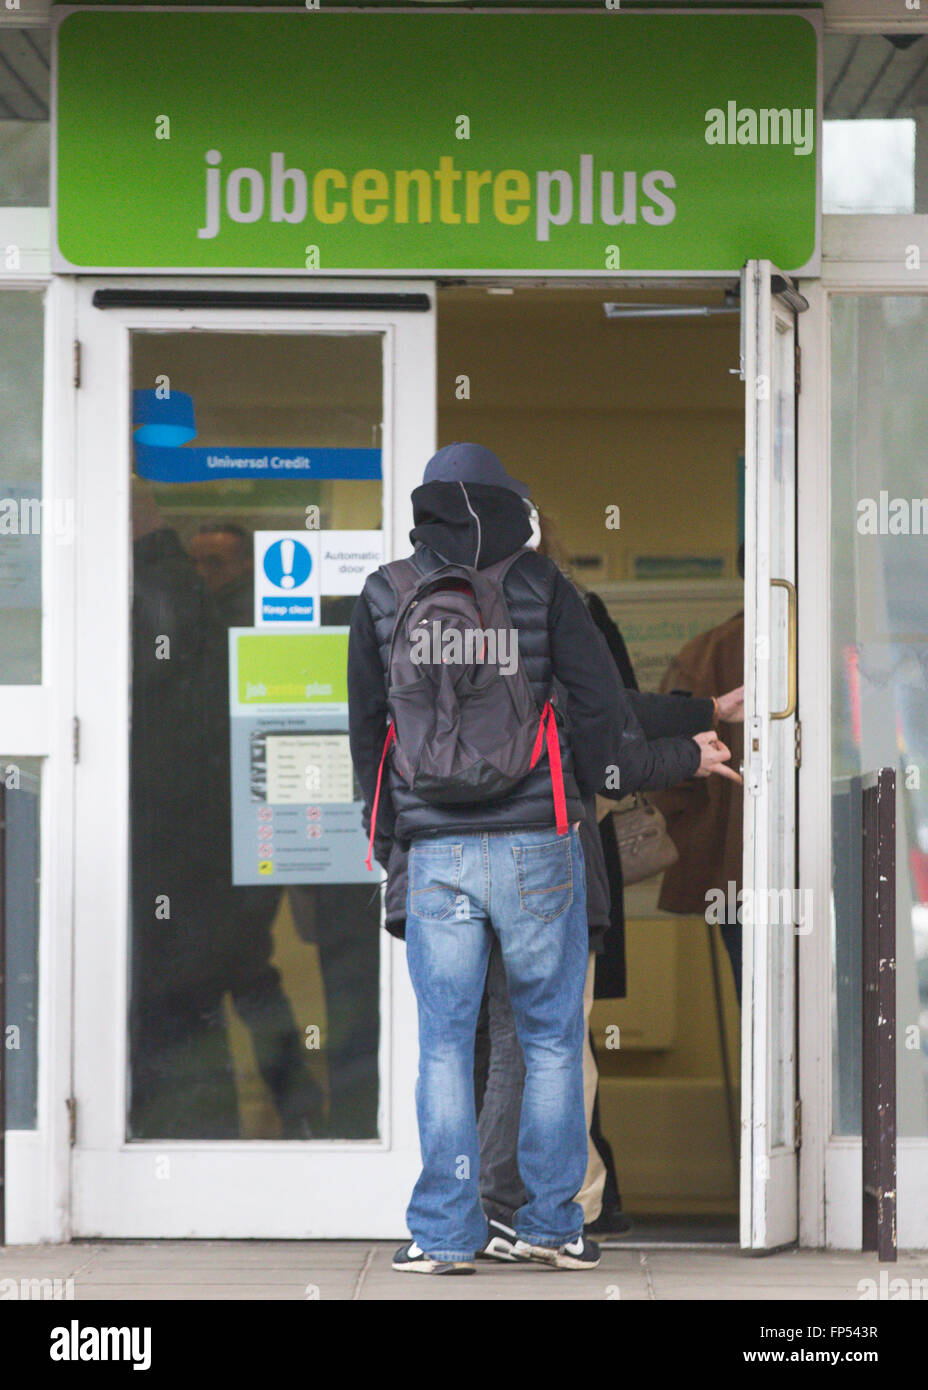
(645, 415)
(664, 1110)
(592, 413)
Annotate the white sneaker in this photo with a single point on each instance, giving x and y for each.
(580, 1253)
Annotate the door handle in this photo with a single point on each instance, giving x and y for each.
(791, 645)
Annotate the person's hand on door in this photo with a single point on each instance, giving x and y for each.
(730, 708)
(713, 757)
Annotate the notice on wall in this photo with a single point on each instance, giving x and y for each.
(658, 619)
(307, 768)
(296, 805)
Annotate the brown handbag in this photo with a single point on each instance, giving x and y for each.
(645, 846)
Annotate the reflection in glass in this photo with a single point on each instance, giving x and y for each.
(875, 98)
(23, 516)
(868, 166)
(19, 877)
(24, 125)
(254, 1010)
(879, 665)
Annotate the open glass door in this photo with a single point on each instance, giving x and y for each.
(244, 1038)
(771, 910)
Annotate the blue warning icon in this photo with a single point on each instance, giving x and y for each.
(287, 564)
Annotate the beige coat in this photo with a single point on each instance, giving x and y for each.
(704, 814)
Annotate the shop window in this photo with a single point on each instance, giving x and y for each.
(19, 906)
(875, 133)
(23, 512)
(24, 117)
(879, 602)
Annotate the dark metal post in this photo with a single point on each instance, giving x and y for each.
(878, 1062)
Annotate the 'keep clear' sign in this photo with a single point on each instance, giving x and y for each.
(294, 569)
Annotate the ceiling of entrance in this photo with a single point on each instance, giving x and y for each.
(865, 75)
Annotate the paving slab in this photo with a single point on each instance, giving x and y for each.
(302, 1271)
(618, 1276)
(217, 1293)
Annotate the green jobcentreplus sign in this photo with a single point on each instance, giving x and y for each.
(377, 141)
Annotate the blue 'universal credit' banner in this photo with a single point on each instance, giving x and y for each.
(165, 425)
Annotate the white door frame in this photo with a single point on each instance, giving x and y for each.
(769, 1164)
(862, 254)
(813, 512)
(397, 523)
(36, 721)
(209, 1188)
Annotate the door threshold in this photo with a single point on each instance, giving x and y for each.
(620, 1243)
(717, 1232)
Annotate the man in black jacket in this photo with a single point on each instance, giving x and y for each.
(498, 867)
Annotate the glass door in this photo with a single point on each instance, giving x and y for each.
(771, 909)
(245, 1043)
(879, 703)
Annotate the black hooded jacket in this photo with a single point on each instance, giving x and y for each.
(478, 525)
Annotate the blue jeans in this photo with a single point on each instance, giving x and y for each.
(529, 887)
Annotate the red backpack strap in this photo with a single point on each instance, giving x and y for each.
(390, 738)
(547, 731)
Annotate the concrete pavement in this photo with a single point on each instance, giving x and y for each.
(360, 1270)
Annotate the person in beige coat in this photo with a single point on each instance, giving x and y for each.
(704, 817)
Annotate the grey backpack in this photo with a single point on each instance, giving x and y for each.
(464, 727)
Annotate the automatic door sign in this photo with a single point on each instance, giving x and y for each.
(287, 574)
(348, 557)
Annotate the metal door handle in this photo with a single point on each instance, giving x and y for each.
(791, 644)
